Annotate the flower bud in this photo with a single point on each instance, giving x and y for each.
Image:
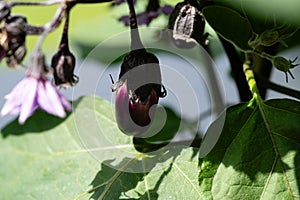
(16, 58)
(284, 65)
(4, 10)
(187, 24)
(269, 37)
(15, 25)
(63, 64)
(12, 40)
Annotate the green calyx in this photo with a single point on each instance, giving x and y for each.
(284, 65)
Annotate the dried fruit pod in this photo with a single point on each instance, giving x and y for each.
(63, 62)
(12, 39)
(187, 24)
(4, 10)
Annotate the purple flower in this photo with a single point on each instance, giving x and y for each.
(35, 91)
(32, 93)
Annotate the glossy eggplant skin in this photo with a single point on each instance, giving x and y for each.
(139, 86)
(138, 91)
(134, 118)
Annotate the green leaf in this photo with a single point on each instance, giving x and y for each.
(230, 25)
(260, 24)
(170, 171)
(266, 21)
(86, 156)
(257, 154)
(282, 11)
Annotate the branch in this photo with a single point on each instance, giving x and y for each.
(265, 83)
(51, 25)
(53, 2)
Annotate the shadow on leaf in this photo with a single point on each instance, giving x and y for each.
(117, 181)
(40, 121)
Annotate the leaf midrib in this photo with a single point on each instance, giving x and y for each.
(277, 154)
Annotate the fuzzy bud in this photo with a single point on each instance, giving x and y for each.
(12, 40)
(284, 65)
(4, 10)
(187, 24)
(63, 64)
(269, 37)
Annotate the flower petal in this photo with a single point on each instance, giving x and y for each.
(66, 104)
(49, 99)
(13, 99)
(10, 108)
(28, 98)
(167, 9)
(17, 97)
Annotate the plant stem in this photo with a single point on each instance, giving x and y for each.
(50, 26)
(251, 82)
(262, 54)
(237, 70)
(136, 42)
(53, 2)
(42, 3)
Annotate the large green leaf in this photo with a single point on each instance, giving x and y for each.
(230, 25)
(284, 11)
(257, 154)
(86, 156)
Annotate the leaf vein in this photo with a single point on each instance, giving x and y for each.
(188, 180)
(264, 116)
(269, 178)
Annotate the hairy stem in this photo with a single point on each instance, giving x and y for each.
(153, 5)
(64, 43)
(251, 81)
(136, 42)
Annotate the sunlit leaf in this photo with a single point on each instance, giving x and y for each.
(257, 155)
(86, 156)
